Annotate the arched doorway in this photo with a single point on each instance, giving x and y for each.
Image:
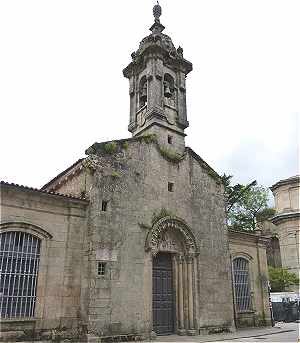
(173, 248)
(163, 297)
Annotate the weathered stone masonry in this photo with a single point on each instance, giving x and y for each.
(131, 203)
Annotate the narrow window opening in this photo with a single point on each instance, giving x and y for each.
(104, 206)
(170, 186)
(101, 268)
(170, 139)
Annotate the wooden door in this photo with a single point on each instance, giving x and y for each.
(163, 295)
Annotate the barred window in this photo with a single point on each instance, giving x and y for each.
(19, 263)
(242, 284)
(101, 268)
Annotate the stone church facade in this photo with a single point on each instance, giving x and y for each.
(132, 239)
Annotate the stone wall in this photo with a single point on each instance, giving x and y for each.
(134, 182)
(287, 219)
(60, 223)
(253, 248)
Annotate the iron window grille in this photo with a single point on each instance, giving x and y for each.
(242, 286)
(101, 268)
(19, 263)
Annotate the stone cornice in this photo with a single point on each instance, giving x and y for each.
(279, 218)
(249, 237)
(290, 181)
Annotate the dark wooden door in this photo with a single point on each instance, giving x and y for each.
(163, 299)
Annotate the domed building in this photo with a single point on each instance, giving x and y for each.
(287, 221)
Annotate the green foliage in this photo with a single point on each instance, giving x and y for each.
(150, 138)
(110, 147)
(115, 174)
(265, 214)
(281, 279)
(170, 155)
(244, 203)
(159, 215)
(125, 145)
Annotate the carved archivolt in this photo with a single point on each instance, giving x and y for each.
(171, 234)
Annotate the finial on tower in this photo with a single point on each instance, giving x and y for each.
(157, 12)
(157, 27)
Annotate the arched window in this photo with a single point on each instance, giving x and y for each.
(169, 89)
(19, 263)
(143, 98)
(242, 288)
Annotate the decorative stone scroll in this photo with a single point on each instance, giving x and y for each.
(163, 233)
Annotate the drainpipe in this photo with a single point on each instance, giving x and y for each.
(232, 290)
(261, 281)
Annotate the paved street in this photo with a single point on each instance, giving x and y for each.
(283, 332)
(289, 336)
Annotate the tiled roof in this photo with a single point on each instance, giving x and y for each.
(41, 191)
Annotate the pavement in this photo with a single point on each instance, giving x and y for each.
(282, 332)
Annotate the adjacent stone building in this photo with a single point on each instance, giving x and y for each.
(287, 220)
(132, 239)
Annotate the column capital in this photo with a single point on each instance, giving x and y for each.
(180, 258)
(189, 258)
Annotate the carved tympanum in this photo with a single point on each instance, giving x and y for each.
(171, 234)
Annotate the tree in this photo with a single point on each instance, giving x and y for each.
(281, 279)
(244, 203)
(265, 214)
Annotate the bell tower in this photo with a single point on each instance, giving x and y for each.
(157, 88)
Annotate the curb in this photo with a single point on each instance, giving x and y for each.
(259, 335)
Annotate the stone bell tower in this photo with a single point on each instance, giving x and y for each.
(157, 88)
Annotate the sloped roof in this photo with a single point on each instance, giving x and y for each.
(61, 174)
(25, 188)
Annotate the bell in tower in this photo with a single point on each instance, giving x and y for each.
(167, 91)
(157, 76)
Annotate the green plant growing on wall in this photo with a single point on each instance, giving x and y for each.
(125, 145)
(150, 138)
(159, 215)
(115, 174)
(110, 147)
(88, 166)
(170, 155)
(281, 279)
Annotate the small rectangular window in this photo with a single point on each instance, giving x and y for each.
(170, 139)
(170, 186)
(101, 268)
(104, 206)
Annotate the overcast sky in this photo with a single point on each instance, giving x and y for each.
(62, 89)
